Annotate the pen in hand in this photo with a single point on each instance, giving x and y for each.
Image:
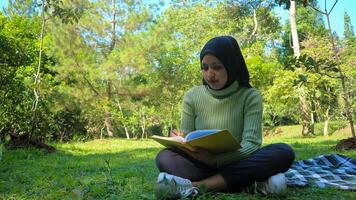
(175, 133)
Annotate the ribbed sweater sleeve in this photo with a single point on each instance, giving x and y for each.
(252, 130)
(188, 115)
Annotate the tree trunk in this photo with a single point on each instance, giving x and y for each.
(326, 123)
(143, 125)
(143, 132)
(107, 123)
(345, 95)
(255, 24)
(312, 121)
(113, 22)
(305, 117)
(125, 127)
(107, 116)
(126, 132)
(37, 76)
(101, 132)
(293, 26)
(172, 125)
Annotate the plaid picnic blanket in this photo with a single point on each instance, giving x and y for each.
(332, 170)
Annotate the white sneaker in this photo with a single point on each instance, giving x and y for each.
(275, 185)
(173, 187)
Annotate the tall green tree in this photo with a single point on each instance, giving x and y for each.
(348, 28)
(342, 78)
(19, 45)
(49, 7)
(93, 61)
(26, 73)
(324, 90)
(305, 120)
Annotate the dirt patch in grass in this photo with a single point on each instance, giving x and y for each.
(346, 144)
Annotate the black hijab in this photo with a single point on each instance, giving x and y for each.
(226, 49)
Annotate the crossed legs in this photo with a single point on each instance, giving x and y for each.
(236, 176)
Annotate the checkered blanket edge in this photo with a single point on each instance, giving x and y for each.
(332, 170)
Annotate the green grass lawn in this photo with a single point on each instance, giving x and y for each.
(125, 169)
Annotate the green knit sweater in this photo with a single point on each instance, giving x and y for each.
(238, 109)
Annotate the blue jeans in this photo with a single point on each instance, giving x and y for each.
(264, 163)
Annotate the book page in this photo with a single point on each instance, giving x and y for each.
(199, 133)
(175, 139)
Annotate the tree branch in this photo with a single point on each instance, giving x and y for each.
(317, 10)
(255, 23)
(91, 86)
(87, 80)
(333, 6)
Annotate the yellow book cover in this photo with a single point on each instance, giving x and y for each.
(213, 140)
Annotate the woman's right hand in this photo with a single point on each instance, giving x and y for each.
(175, 133)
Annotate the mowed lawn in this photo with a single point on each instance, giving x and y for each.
(125, 169)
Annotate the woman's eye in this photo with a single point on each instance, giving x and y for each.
(217, 67)
(204, 67)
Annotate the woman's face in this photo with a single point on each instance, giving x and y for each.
(214, 72)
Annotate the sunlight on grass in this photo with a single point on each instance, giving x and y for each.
(106, 146)
(307, 147)
(125, 169)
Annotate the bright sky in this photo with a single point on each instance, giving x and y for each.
(336, 17)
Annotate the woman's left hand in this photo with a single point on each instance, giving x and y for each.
(201, 155)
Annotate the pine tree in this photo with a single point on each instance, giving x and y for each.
(348, 28)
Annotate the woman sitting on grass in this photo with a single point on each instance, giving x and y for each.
(226, 100)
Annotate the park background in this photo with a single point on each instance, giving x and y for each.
(90, 81)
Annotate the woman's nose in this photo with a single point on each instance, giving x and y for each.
(210, 72)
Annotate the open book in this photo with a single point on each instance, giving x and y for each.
(213, 140)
